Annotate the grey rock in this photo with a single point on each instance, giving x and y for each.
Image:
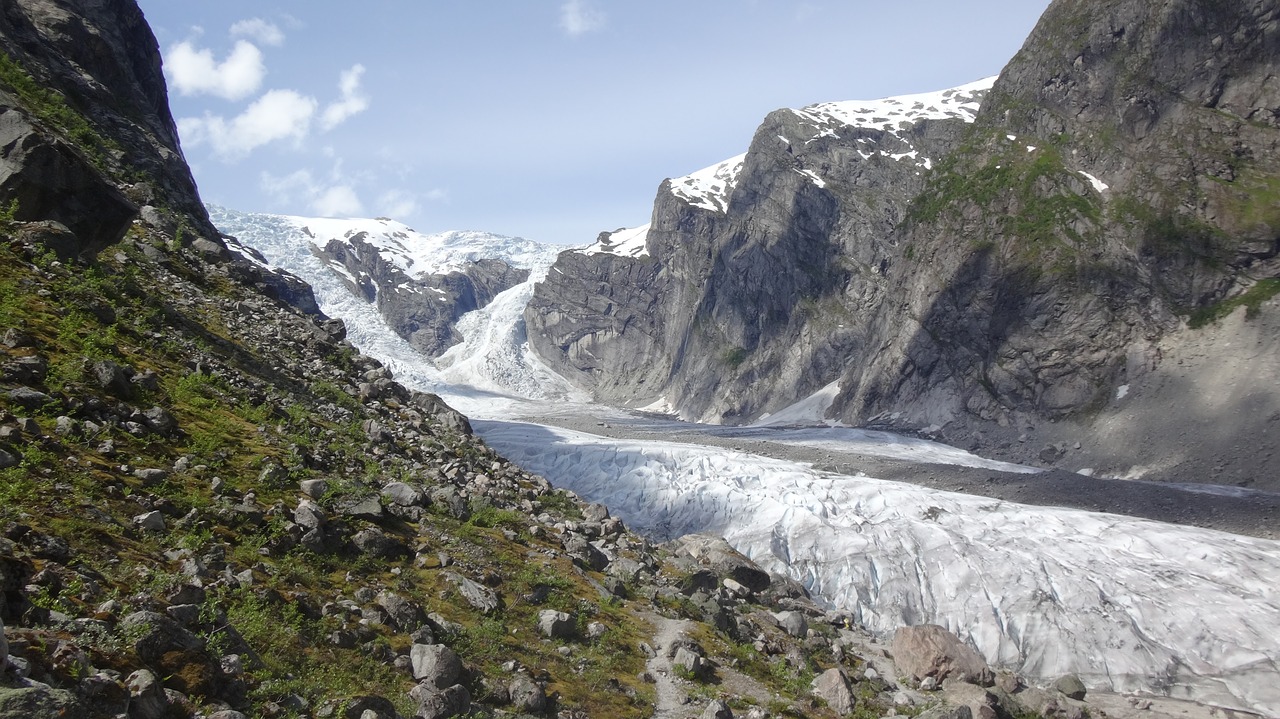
(717, 709)
(38, 701)
(151, 476)
(480, 597)
(723, 560)
(435, 665)
(147, 696)
(557, 625)
(7, 459)
(377, 543)
(111, 377)
(227, 714)
(440, 704)
(153, 635)
(314, 488)
(1071, 686)
(947, 712)
(403, 614)
(586, 553)
(369, 509)
(4, 647)
(832, 686)
(29, 398)
(161, 421)
(441, 412)
(404, 495)
(526, 695)
(185, 614)
(309, 515)
(793, 623)
(150, 522)
(692, 662)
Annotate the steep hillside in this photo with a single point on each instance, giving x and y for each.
(1015, 284)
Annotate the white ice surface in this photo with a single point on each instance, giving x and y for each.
(808, 411)
(1126, 604)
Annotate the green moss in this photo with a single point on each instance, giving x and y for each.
(1251, 300)
(734, 357)
(51, 108)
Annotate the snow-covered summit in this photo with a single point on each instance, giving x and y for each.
(709, 187)
(624, 243)
(416, 253)
(894, 114)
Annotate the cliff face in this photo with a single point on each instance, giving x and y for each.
(759, 274)
(102, 141)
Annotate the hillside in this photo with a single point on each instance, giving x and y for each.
(212, 505)
(1079, 274)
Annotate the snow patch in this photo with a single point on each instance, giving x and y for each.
(709, 187)
(1098, 185)
(624, 243)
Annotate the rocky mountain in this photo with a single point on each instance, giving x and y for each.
(211, 505)
(1017, 278)
(421, 306)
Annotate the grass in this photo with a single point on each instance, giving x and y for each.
(1251, 300)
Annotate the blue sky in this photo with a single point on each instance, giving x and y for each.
(547, 119)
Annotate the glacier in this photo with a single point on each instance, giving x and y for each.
(1129, 605)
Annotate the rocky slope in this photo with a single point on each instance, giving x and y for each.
(212, 506)
(1115, 194)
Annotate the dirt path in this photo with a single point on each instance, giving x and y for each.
(671, 702)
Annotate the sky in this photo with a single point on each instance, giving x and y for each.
(552, 120)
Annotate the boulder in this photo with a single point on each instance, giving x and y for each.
(557, 625)
(39, 702)
(155, 635)
(111, 377)
(440, 704)
(480, 597)
(691, 662)
(147, 697)
(832, 687)
(1071, 686)
(717, 709)
(931, 651)
(723, 560)
(404, 495)
(435, 665)
(54, 182)
(375, 543)
(585, 553)
(403, 614)
(947, 712)
(527, 696)
(793, 623)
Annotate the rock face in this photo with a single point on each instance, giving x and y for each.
(105, 62)
(424, 308)
(1116, 190)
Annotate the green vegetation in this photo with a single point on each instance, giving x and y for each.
(1251, 300)
(734, 357)
(51, 108)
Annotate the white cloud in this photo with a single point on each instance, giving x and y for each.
(353, 101)
(258, 29)
(578, 17)
(337, 201)
(277, 115)
(438, 195)
(398, 204)
(334, 198)
(194, 71)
